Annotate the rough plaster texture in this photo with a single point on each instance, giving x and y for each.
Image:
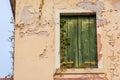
(35, 35)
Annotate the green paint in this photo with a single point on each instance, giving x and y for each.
(78, 42)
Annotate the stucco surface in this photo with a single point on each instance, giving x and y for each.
(35, 38)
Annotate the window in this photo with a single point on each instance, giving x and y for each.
(78, 41)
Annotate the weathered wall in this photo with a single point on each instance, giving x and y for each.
(35, 37)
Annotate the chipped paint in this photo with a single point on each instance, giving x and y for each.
(28, 14)
(38, 18)
(97, 7)
(43, 54)
(102, 22)
(115, 3)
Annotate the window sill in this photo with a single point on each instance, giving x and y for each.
(82, 71)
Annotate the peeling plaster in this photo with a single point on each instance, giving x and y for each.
(97, 7)
(43, 54)
(106, 35)
(99, 47)
(30, 32)
(102, 22)
(28, 15)
(42, 33)
(21, 34)
(114, 66)
(115, 3)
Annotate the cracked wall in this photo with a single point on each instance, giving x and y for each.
(35, 37)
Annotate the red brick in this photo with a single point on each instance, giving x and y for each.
(6, 79)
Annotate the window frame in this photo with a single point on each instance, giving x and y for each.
(59, 12)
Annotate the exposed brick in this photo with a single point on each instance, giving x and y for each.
(6, 79)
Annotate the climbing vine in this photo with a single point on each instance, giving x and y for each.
(64, 42)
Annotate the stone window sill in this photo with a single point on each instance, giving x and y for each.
(82, 71)
(79, 79)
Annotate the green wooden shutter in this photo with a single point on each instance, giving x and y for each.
(72, 48)
(82, 50)
(93, 41)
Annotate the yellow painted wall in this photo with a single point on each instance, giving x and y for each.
(35, 37)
